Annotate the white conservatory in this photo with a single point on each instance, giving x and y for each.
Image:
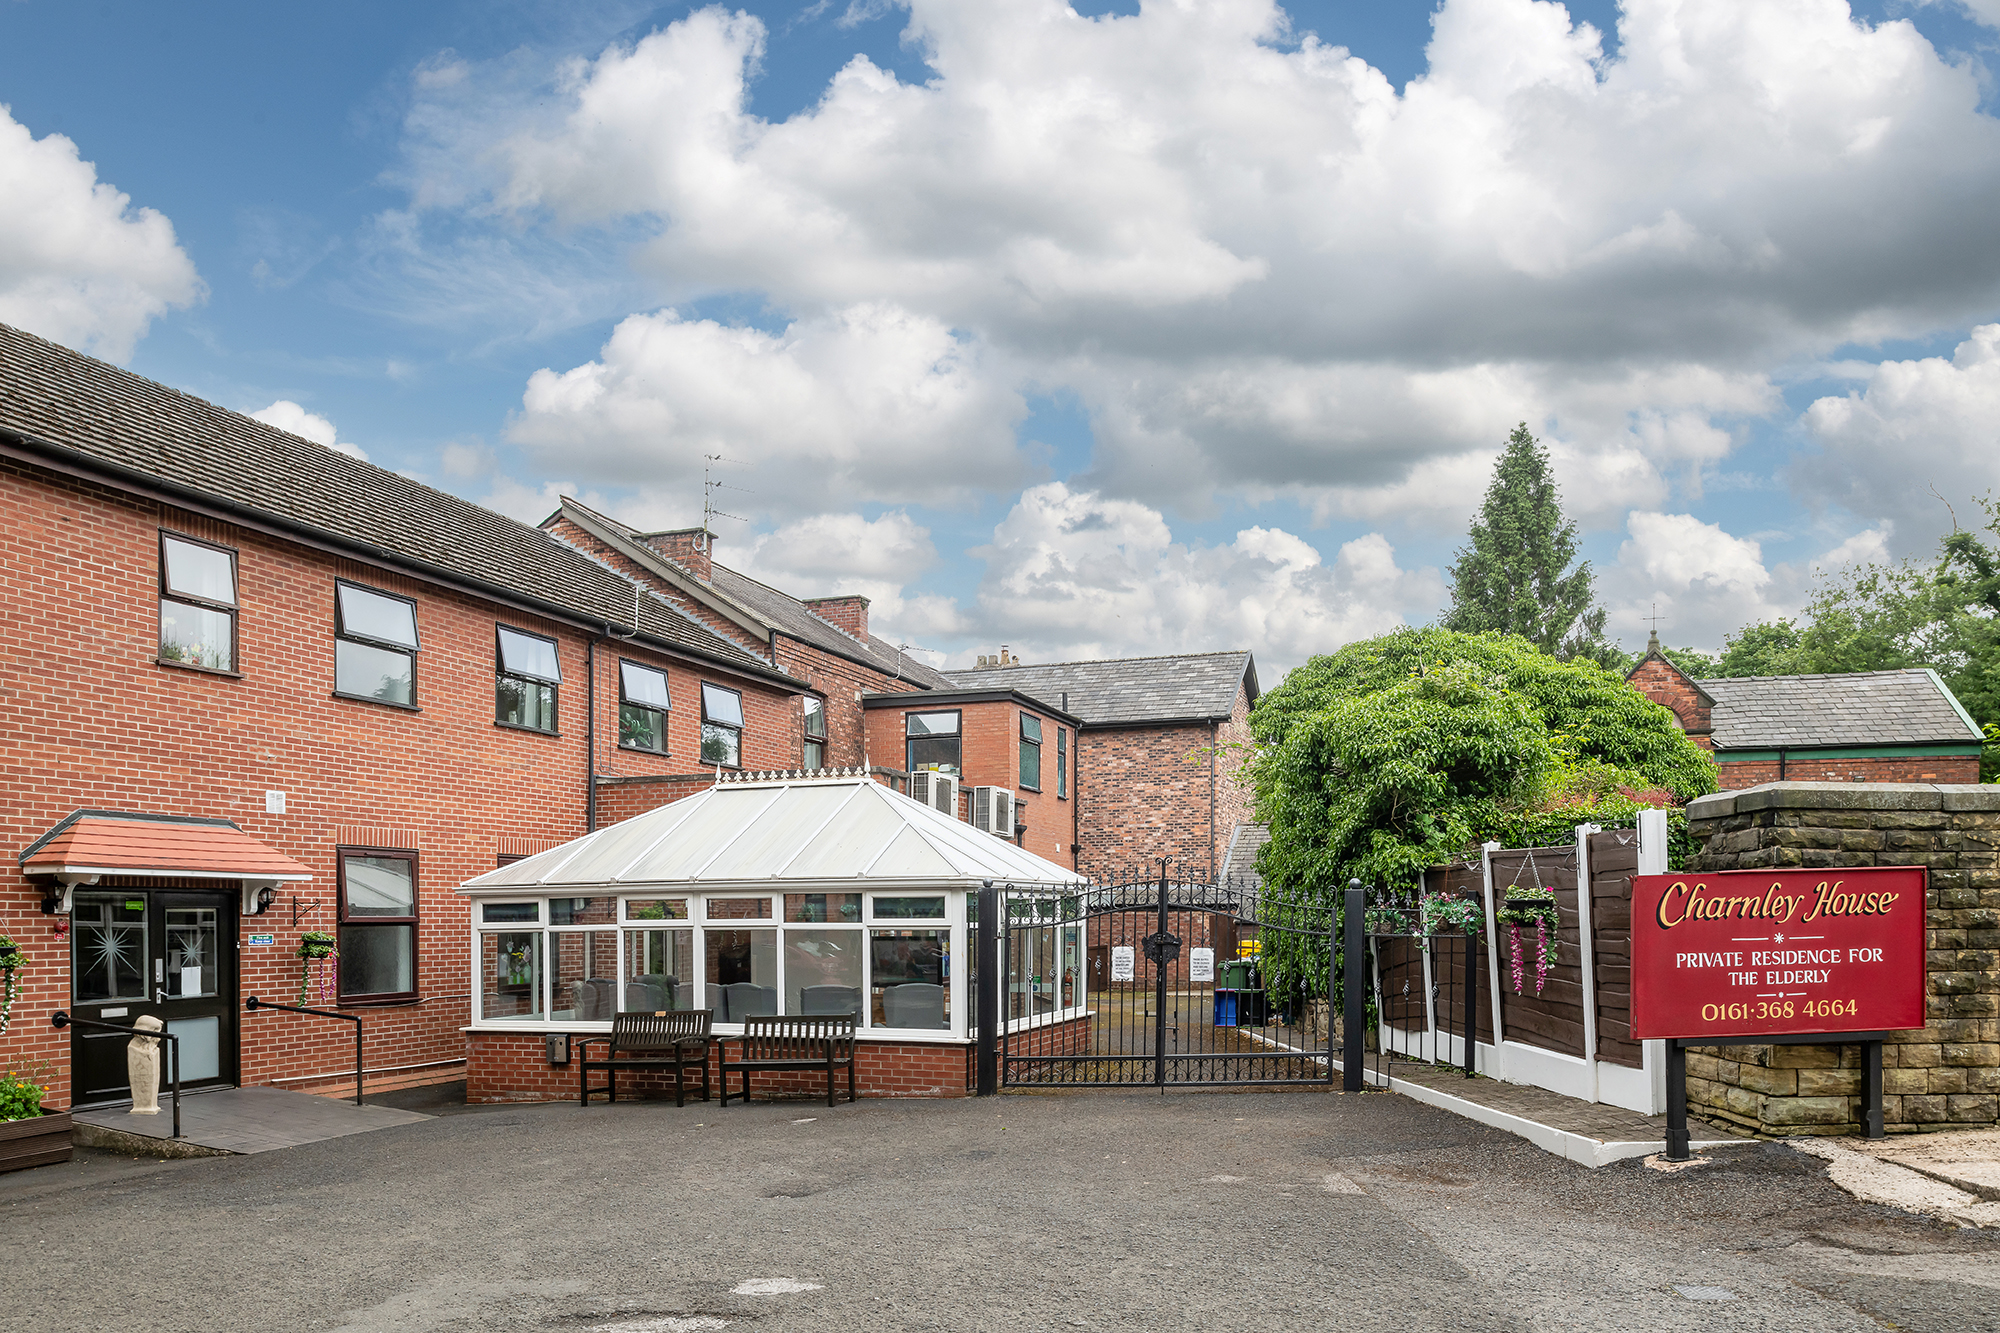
(771, 894)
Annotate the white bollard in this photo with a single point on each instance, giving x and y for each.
(142, 1063)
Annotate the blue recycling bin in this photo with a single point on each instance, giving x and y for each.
(1225, 1008)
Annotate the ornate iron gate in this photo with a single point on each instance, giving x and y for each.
(1161, 982)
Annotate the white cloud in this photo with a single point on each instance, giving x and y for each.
(78, 264)
(868, 403)
(287, 415)
(1705, 583)
(1074, 575)
(1912, 426)
(830, 555)
(1263, 268)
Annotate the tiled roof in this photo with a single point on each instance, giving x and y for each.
(1128, 690)
(1239, 863)
(63, 398)
(1909, 707)
(109, 842)
(779, 610)
(792, 617)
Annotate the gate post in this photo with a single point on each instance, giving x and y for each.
(1160, 963)
(1355, 1006)
(988, 1003)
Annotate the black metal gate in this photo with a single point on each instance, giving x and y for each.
(1161, 982)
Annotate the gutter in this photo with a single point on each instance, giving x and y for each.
(70, 462)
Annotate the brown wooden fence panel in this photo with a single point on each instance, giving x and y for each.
(1614, 859)
(1552, 1020)
(1401, 968)
(1448, 973)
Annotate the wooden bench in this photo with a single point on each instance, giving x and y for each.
(677, 1040)
(793, 1043)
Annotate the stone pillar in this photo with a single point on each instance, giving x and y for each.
(142, 1064)
(1943, 1075)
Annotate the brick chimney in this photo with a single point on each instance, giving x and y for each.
(690, 548)
(1003, 658)
(849, 613)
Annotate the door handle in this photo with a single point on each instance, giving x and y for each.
(160, 996)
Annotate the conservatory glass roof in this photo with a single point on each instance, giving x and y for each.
(781, 829)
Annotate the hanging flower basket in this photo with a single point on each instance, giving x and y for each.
(1383, 919)
(12, 964)
(1443, 911)
(316, 946)
(1536, 907)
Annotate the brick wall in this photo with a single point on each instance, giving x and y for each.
(1667, 685)
(1146, 793)
(1948, 1072)
(990, 756)
(96, 721)
(1736, 775)
(841, 683)
(514, 1067)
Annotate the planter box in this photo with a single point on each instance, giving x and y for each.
(42, 1141)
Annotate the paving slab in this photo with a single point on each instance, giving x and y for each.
(246, 1120)
(1968, 1159)
(1589, 1133)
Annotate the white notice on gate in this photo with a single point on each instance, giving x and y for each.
(1121, 962)
(1201, 964)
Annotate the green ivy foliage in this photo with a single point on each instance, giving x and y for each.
(1403, 752)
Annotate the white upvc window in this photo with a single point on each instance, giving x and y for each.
(573, 963)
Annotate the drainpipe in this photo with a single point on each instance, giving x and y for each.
(590, 738)
(1214, 739)
(1781, 763)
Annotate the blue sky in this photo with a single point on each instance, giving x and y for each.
(1217, 360)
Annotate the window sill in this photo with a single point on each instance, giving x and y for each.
(1024, 787)
(640, 749)
(379, 703)
(532, 731)
(376, 1001)
(197, 670)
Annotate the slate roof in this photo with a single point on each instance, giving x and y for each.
(1910, 707)
(118, 421)
(792, 617)
(1239, 863)
(780, 610)
(1126, 691)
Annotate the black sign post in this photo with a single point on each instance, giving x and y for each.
(1678, 1142)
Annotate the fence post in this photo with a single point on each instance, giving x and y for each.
(1355, 1004)
(988, 1002)
(1332, 982)
(1471, 1004)
(1586, 938)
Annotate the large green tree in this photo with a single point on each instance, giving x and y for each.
(1515, 574)
(1943, 614)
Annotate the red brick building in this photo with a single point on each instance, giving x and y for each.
(1159, 747)
(222, 632)
(1862, 726)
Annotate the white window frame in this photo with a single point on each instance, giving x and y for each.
(953, 922)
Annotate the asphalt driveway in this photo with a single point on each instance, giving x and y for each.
(1210, 1211)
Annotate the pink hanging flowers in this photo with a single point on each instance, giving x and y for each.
(1520, 907)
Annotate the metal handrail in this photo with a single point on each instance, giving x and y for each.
(253, 1004)
(61, 1019)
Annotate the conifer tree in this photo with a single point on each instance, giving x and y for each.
(1515, 574)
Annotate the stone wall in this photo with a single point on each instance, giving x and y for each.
(1944, 1075)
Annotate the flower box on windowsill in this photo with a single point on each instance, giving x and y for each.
(36, 1141)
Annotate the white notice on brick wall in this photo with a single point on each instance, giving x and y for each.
(1121, 962)
(1201, 964)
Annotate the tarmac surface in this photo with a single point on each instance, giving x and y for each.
(1127, 1210)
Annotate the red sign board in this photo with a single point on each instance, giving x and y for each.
(1745, 953)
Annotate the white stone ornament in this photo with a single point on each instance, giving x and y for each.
(142, 1067)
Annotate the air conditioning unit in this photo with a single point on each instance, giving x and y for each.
(993, 811)
(937, 790)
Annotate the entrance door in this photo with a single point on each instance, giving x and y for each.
(165, 952)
